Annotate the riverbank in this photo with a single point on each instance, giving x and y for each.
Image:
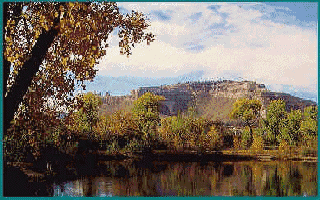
(166, 155)
(224, 155)
(267, 155)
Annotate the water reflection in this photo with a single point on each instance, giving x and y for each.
(196, 179)
(103, 187)
(97, 186)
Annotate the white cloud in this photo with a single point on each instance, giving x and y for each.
(158, 28)
(259, 49)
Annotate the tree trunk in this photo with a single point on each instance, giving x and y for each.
(24, 78)
(251, 136)
(29, 69)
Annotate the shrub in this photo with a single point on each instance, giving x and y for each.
(246, 138)
(284, 146)
(257, 143)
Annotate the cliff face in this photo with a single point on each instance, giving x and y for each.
(211, 97)
(111, 104)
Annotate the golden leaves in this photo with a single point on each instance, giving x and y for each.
(131, 32)
(81, 29)
(64, 61)
(246, 110)
(77, 24)
(71, 4)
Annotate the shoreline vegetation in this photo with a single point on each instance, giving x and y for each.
(84, 138)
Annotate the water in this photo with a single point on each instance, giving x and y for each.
(246, 178)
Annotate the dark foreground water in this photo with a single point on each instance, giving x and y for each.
(197, 179)
(245, 178)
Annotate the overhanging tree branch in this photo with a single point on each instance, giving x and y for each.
(12, 98)
(27, 72)
(81, 24)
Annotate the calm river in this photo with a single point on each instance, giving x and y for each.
(249, 178)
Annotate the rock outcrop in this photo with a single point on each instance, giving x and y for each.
(179, 97)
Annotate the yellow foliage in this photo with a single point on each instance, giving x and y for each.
(257, 143)
(236, 142)
(283, 146)
(210, 140)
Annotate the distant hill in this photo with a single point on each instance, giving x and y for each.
(119, 86)
(215, 108)
(113, 104)
(212, 99)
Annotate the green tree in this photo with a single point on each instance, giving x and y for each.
(50, 47)
(274, 121)
(187, 130)
(247, 111)
(309, 124)
(290, 128)
(119, 128)
(146, 111)
(90, 107)
(246, 138)
(170, 130)
(86, 117)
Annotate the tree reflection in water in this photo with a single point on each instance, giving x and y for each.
(97, 186)
(195, 179)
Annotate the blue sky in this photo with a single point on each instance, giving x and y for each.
(271, 43)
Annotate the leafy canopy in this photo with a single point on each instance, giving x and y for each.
(86, 117)
(309, 124)
(246, 110)
(146, 111)
(290, 127)
(275, 119)
(79, 31)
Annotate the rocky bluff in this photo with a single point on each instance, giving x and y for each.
(207, 94)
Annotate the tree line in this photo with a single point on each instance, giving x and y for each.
(278, 128)
(51, 48)
(143, 128)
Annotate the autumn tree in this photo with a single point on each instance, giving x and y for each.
(290, 127)
(123, 124)
(146, 111)
(248, 111)
(274, 121)
(86, 117)
(309, 125)
(189, 131)
(103, 127)
(51, 47)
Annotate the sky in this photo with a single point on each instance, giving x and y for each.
(271, 43)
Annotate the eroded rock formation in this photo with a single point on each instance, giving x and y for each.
(179, 97)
